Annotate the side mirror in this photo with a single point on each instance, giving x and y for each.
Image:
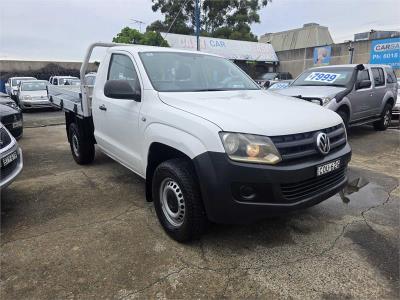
(121, 89)
(363, 84)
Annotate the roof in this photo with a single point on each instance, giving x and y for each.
(310, 35)
(20, 77)
(66, 76)
(34, 81)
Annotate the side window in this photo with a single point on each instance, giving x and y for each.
(55, 81)
(363, 75)
(379, 77)
(121, 68)
(391, 77)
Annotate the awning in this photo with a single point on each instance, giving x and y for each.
(231, 49)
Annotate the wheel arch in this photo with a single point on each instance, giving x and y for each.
(157, 154)
(390, 101)
(85, 126)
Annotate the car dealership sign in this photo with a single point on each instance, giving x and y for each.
(386, 52)
(232, 49)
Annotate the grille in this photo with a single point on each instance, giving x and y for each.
(301, 145)
(5, 138)
(294, 192)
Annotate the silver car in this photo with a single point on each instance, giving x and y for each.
(360, 94)
(10, 158)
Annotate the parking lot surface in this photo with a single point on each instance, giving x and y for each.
(70, 231)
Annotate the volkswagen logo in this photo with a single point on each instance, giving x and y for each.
(323, 143)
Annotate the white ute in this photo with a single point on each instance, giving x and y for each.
(211, 145)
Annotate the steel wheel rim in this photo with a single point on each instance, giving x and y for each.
(75, 144)
(386, 118)
(172, 202)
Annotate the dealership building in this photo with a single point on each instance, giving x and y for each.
(312, 45)
(254, 58)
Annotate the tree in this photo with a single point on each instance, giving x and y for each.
(133, 36)
(229, 19)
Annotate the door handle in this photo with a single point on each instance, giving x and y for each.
(103, 107)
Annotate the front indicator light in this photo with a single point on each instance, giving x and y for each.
(250, 148)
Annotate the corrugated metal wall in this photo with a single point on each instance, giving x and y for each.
(309, 36)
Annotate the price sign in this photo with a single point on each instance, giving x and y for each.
(322, 77)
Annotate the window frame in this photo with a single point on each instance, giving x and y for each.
(133, 64)
(383, 84)
(392, 75)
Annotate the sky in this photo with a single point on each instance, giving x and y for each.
(63, 29)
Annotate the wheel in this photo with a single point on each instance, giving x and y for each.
(82, 151)
(177, 200)
(345, 117)
(385, 120)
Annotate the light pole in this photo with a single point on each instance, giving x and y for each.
(351, 50)
(197, 16)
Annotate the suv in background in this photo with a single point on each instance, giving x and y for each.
(360, 94)
(267, 79)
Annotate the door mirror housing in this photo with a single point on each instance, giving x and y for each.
(363, 84)
(121, 89)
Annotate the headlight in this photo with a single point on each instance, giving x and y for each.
(250, 148)
(26, 97)
(325, 100)
(12, 105)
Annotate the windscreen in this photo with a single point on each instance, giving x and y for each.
(15, 82)
(67, 81)
(33, 86)
(324, 77)
(188, 72)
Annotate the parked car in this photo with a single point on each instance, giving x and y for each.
(33, 94)
(12, 85)
(11, 118)
(61, 80)
(280, 85)
(360, 94)
(396, 107)
(11, 162)
(90, 78)
(267, 79)
(210, 143)
(5, 99)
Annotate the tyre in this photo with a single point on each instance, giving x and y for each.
(345, 117)
(385, 119)
(82, 151)
(177, 200)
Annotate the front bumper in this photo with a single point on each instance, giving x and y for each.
(11, 171)
(34, 103)
(396, 112)
(221, 181)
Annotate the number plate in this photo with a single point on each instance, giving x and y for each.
(9, 159)
(17, 124)
(328, 167)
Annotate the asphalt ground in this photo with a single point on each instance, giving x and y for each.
(86, 232)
